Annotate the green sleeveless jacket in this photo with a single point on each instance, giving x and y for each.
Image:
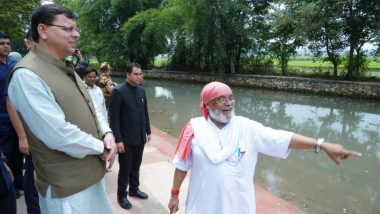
(65, 174)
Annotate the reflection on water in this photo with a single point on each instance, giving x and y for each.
(163, 92)
(310, 181)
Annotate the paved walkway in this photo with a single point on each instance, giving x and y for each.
(156, 176)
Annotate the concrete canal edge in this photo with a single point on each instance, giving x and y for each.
(368, 90)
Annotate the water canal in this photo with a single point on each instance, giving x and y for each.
(308, 180)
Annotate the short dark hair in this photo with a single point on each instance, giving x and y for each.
(46, 15)
(80, 69)
(89, 70)
(131, 66)
(4, 35)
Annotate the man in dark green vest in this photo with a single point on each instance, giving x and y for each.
(69, 152)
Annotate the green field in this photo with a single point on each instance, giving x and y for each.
(306, 65)
(310, 63)
(300, 64)
(161, 61)
(297, 62)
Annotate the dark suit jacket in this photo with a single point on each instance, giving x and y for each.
(129, 118)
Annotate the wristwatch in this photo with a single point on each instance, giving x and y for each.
(317, 147)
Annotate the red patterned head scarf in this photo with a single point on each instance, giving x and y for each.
(212, 91)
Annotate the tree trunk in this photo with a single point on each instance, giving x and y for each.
(350, 63)
(232, 66)
(335, 72)
(358, 64)
(284, 64)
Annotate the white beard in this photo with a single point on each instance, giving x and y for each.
(218, 116)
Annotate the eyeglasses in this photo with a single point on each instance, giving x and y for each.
(223, 100)
(5, 43)
(67, 29)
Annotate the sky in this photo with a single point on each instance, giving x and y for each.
(46, 2)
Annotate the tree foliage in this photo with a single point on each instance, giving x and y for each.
(15, 16)
(333, 26)
(224, 32)
(227, 36)
(144, 37)
(101, 22)
(322, 26)
(362, 21)
(285, 38)
(211, 35)
(15, 20)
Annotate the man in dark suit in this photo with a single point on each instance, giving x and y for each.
(129, 122)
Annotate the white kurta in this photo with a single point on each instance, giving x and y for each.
(100, 107)
(227, 187)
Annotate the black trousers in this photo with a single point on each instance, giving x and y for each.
(7, 194)
(9, 145)
(129, 169)
(30, 191)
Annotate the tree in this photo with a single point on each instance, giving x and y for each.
(15, 16)
(361, 22)
(224, 31)
(284, 36)
(334, 25)
(322, 25)
(101, 23)
(145, 37)
(15, 20)
(226, 36)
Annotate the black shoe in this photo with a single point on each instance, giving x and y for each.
(124, 203)
(138, 194)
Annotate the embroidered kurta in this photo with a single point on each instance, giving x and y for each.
(227, 187)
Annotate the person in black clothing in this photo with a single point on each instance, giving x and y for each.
(129, 122)
(9, 142)
(7, 196)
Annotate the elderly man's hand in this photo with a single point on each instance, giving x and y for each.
(110, 146)
(173, 204)
(337, 152)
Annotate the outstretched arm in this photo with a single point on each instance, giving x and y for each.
(336, 152)
(16, 122)
(179, 176)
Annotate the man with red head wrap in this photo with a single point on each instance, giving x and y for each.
(221, 150)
